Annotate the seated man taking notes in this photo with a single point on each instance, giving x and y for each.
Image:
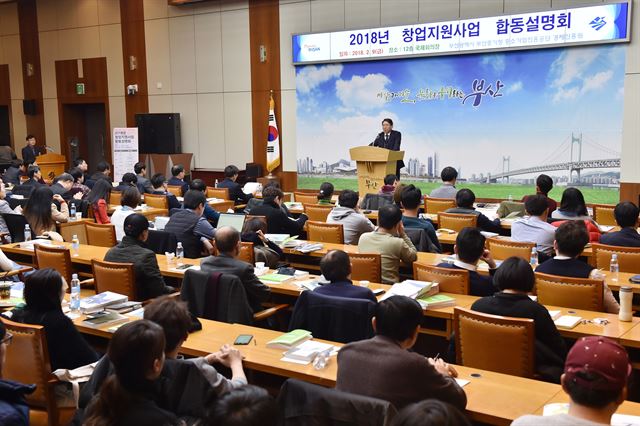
(336, 267)
(626, 215)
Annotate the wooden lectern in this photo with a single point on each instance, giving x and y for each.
(51, 165)
(373, 165)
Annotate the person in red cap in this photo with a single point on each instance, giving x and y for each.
(595, 378)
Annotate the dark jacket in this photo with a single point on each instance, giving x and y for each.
(182, 223)
(174, 181)
(56, 188)
(484, 223)
(144, 185)
(416, 222)
(574, 268)
(551, 350)
(346, 289)
(14, 410)
(96, 177)
(11, 175)
(380, 368)
(29, 153)
(122, 186)
(626, 237)
(479, 285)
(235, 191)
(149, 281)
(277, 221)
(393, 143)
(31, 182)
(254, 202)
(67, 348)
(172, 200)
(257, 292)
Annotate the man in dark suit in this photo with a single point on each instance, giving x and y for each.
(389, 139)
(159, 186)
(277, 221)
(228, 244)
(626, 215)
(177, 178)
(336, 267)
(12, 174)
(235, 189)
(31, 151)
(35, 176)
(62, 185)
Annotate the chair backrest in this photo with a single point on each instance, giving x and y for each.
(317, 212)
(577, 293)
(325, 232)
(223, 206)
(495, 343)
(56, 258)
(175, 190)
(15, 224)
(158, 201)
(115, 277)
(15, 202)
(628, 257)
(115, 197)
(511, 208)
(449, 280)
(162, 241)
(375, 201)
(366, 266)
(437, 205)
(251, 216)
(103, 235)
(503, 249)
(222, 193)
(603, 214)
(305, 198)
(457, 221)
(246, 253)
(24, 190)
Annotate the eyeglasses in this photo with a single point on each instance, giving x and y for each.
(7, 339)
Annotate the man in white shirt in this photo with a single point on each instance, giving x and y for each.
(448, 189)
(534, 227)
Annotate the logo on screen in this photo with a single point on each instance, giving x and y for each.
(311, 48)
(598, 23)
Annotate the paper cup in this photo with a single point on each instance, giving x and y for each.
(260, 265)
(364, 283)
(5, 290)
(79, 216)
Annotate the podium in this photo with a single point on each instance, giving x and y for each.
(373, 165)
(51, 165)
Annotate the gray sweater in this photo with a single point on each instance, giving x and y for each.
(353, 223)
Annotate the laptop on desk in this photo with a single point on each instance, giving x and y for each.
(235, 221)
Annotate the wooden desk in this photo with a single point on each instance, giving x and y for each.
(149, 212)
(627, 407)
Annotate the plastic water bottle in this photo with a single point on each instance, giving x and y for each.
(215, 185)
(534, 257)
(321, 360)
(27, 232)
(614, 268)
(72, 211)
(626, 299)
(75, 293)
(179, 254)
(75, 245)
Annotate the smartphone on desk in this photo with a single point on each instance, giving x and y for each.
(377, 291)
(243, 339)
(184, 266)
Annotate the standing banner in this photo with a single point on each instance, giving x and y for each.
(125, 151)
(273, 140)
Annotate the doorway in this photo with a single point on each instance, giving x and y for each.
(85, 133)
(5, 126)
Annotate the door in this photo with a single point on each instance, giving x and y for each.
(5, 127)
(84, 133)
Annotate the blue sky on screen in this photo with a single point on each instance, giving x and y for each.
(547, 94)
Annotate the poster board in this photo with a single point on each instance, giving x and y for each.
(125, 151)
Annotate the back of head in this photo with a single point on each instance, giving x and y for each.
(514, 273)
(17, 163)
(430, 412)
(43, 290)
(76, 173)
(397, 317)
(544, 184)
(573, 201)
(326, 191)
(130, 197)
(390, 179)
(536, 205)
(174, 318)
(103, 166)
(193, 199)
(77, 162)
(227, 239)
(129, 178)
(64, 177)
(270, 193)
(470, 245)
(135, 224)
(139, 167)
(389, 216)
(348, 199)
(157, 180)
(101, 191)
(571, 237)
(245, 406)
(465, 198)
(626, 214)
(176, 170)
(254, 224)
(448, 174)
(198, 185)
(32, 170)
(38, 208)
(411, 197)
(230, 171)
(336, 266)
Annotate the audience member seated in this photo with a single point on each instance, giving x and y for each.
(397, 194)
(227, 242)
(264, 250)
(30, 151)
(544, 184)
(449, 175)
(13, 406)
(159, 184)
(626, 215)
(336, 268)
(277, 220)
(348, 215)
(191, 228)
(81, 164)
(144, 184)
(7, 155)
(209, 212)
(132, 249)
(469, 250)
(235, 189)
(595, 377)
(128, 180)
(390, 182)
(177, 178)
(391, 242)
(35, 177)
(571, 238)
(129, 396)
(572, 206)
(129, 200)
(4, 208)
(98, 199)
(43, 292)
(103, 171)
(41, 212)
(430, 412)
(534, 228)
(464, 205)
(13, 172)
(246, 406)
(62, 186)
(383, 367)
(254, 202)
(326, 193)
(411, 200)
(78, 183)
(515, 279)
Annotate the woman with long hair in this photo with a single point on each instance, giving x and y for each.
(573, 207)
(98, 199)
(128, 396)
(42, 213)
(325, 193)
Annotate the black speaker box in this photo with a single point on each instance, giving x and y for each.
(29, 106)
(159, 133)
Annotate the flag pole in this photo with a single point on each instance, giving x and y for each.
(271, 176)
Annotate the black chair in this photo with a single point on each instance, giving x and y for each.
(16, 224)
(15, 202)
(420, 240)
(375, 201)
(339, 319)
(162, 241)
(24, 190)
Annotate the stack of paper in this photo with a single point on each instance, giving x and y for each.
(567, 321)
(413, 289)
(100, 301)
(276, 278)
(309, 247)
(436, 301)
(307, 350)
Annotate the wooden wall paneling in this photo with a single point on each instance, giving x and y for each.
(630, 191)
(133, 44)
(5, 99)
(30, 53)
